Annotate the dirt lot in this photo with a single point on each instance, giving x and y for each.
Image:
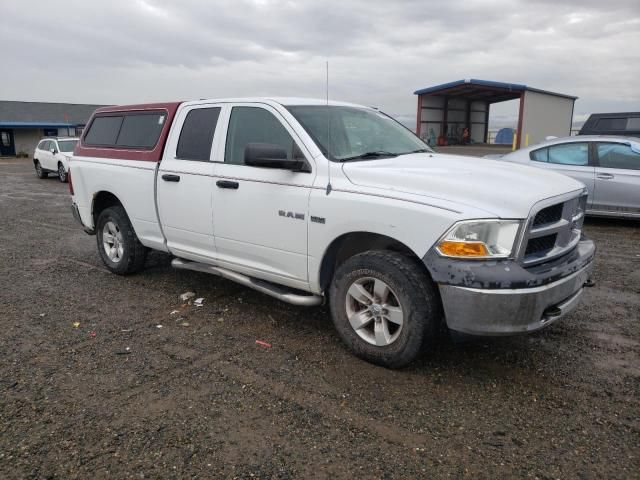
(198, 398)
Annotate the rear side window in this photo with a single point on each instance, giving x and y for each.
(133, 130)
(618, 155)
(541, 155)
(610, 124)
(196, 136)
(633, 124)
(254, 125)
(141, 130)
(103, 131)
(43, 145)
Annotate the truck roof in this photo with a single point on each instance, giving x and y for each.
(286, 101)
(155, 154)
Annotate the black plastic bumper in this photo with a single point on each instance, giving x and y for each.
(498, 274)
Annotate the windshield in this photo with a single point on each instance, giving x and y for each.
(356, 133)
(67, 145)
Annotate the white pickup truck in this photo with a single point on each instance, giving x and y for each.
(310, 202)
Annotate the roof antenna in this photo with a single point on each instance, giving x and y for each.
(328, 135)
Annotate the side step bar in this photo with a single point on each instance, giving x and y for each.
(276, 291)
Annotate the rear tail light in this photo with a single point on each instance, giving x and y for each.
(70, 182)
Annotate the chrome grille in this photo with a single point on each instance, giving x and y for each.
(548, 215)
(553, 229)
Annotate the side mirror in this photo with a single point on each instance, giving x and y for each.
(268, 155)
(53, 150)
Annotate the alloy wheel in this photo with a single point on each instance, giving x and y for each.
(374, 311)
(112, 241)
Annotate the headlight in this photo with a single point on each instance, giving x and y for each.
(480, 239)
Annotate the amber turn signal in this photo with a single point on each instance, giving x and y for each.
(463, 249)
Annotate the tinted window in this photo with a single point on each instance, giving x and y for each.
(43, 145)
(612, 124)
(103, 131)
(569, 154)
(196, 135)
(140, 130)
(633, 124)
(541, 155)
(67, 145)
(254, 125)
(618, 155)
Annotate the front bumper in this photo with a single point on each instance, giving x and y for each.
(541, 296)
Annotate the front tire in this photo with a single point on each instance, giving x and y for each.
(119, 247)
(40, 171)
(62, 173)
(384, 307)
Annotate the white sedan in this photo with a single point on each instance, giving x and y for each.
(609, 166)
(52, 156)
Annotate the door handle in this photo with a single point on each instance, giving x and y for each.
(227, 184)
(604, 176)
(171, 178)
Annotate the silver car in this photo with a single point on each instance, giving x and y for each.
(609, 166)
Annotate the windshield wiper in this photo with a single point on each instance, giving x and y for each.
(420, 150)
(364, 156)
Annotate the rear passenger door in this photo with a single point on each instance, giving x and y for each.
(617, 188)
(43, 148)
(185, 183)
(261, 214)
(572, 159)
(45, 155)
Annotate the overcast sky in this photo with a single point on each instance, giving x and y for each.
(379, 52)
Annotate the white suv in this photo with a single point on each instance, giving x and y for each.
(52, 156)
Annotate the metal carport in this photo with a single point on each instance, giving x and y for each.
(445, 110)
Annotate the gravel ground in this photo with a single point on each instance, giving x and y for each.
(92, 387)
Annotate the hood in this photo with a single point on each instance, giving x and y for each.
(501, 189)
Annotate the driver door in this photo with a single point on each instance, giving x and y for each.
(261, 214)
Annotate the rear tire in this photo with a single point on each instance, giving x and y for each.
(118, 245)
(40, 171)
(385, 307)
(62, 173)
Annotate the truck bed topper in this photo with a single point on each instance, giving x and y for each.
(118, 150)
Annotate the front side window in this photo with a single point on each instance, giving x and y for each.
(255, 125)
(618, 155)
(43, 145)
(344, 133)
(196, 136)
(576, 154)
(67, 146)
